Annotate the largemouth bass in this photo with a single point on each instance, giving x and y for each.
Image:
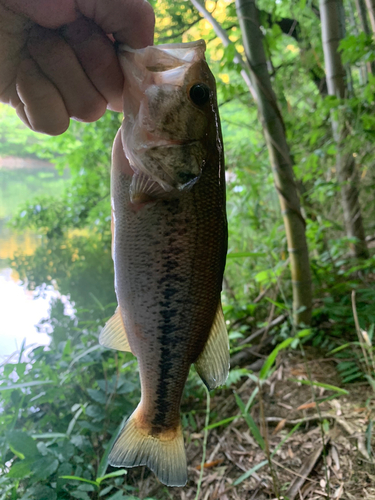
(169, 246)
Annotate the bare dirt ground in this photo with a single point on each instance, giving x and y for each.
(303, 467)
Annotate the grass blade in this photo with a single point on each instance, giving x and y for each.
(283, 345)
(285, 439)
(222, 422)
(104, 460)
(116, 473)
(250, 422)
(82, 479)
(250, 472)
(328, 387)
(24, 384)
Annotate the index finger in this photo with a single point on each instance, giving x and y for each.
(130, 21)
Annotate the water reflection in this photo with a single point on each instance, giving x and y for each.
(20, 181)
(21, 312)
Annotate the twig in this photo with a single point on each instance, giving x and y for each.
(359, 332)
(275, 479)
(207, 421)
(276, 322)
(223, 35)
(304, 471)
(322, 432)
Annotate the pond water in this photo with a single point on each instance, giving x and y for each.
(20, 311)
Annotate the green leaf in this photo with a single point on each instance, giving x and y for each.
(74, 420)
(82, 354)
(82, 495)
(286, 438)
(96, 412)
(97, 395)
(106, 490)
(340, 348)
(22, 443)
(104, 460)
(82, 479)
(44, 467)
(329, 387)
(116, 473)
(49, 435)
(368, 435)
(119, 495)
(222, 422)
(40, 492)
(277, 304)
(86, 487)
(250, 422)
(371, 381)
(24, 384)
(283, 345)
(250, 472)
(272, 357)
(21, 469)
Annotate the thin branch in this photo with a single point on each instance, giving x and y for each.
(223, 35)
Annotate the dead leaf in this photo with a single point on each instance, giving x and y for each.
(307, 406)
(335, 457)
(362, 447)
(209, 465)
(279, 426)
(338, 493)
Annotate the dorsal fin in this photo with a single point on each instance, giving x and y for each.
(213, 362)
(114, 334)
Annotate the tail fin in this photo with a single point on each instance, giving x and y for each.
(164, 454)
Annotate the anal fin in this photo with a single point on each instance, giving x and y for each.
(114, 334)
(213, 362)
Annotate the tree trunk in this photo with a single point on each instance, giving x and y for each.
(330, 12)
(362, 14)
(281, 163)
(363, 76)
(371, 10)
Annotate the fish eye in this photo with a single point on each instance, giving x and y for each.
(199, 94)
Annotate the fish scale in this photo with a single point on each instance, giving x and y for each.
(169, 250)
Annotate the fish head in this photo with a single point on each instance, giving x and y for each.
(169, 114)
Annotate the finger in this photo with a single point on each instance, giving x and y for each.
(41, 106)
(98, 58)
(47, 13)
(13, 29)
(130, 21)
(59, 63)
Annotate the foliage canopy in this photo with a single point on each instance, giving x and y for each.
(60, 407)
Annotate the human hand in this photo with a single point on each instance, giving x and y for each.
(57, 60)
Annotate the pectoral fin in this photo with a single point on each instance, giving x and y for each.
(213, 362)
(114, 334)
(144, 189)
